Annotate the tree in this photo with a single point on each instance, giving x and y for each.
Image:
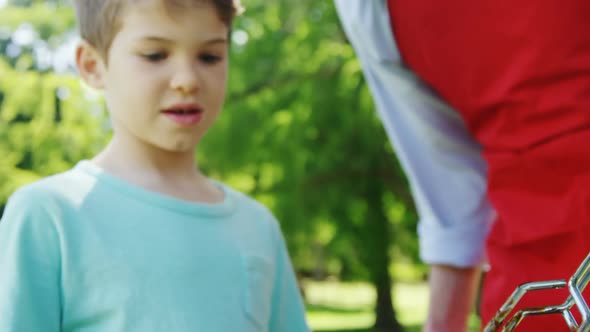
(300, 132)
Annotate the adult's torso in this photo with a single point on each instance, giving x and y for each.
(519, 74)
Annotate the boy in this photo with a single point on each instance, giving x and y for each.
(138, 239)
(487, 105)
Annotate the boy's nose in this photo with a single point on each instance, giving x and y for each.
(185, 82)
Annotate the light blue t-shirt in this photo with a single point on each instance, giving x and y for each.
(83, 251)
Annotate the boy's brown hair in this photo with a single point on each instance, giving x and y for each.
(98, 20)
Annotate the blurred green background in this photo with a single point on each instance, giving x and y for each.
(299, 133)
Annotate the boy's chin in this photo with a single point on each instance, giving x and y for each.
(180, 147)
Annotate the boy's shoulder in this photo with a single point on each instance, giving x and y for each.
(66, 187)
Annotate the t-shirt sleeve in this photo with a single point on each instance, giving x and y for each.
(29, 266)
(446, 171)
(287, 312)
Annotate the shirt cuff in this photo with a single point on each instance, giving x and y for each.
(458, 247)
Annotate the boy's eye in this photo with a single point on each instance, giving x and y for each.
(209, 58)
(154, 57)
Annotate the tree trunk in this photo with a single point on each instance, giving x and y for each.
(379, 245)
(384, 312)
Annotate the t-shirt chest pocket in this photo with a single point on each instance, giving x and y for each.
(258, 286)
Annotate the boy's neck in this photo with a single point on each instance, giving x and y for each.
(143, 158)
(171, 173)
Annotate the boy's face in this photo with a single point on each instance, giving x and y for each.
(166, 74)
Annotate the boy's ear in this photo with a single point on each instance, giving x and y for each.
(90, 65)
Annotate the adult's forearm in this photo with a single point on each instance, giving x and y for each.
(452, 296)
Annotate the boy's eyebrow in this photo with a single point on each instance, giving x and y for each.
(220, 40)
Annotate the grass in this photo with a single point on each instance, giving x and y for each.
(348, 307)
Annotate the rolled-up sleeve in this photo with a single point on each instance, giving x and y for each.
(446, 171)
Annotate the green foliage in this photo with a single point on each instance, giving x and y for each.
(42, 27)
(47, 18)
(300, 132)
(46, 126)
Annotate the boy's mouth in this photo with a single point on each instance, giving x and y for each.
(183, 109)
(184, 114)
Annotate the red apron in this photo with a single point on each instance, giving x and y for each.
(519, 74)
